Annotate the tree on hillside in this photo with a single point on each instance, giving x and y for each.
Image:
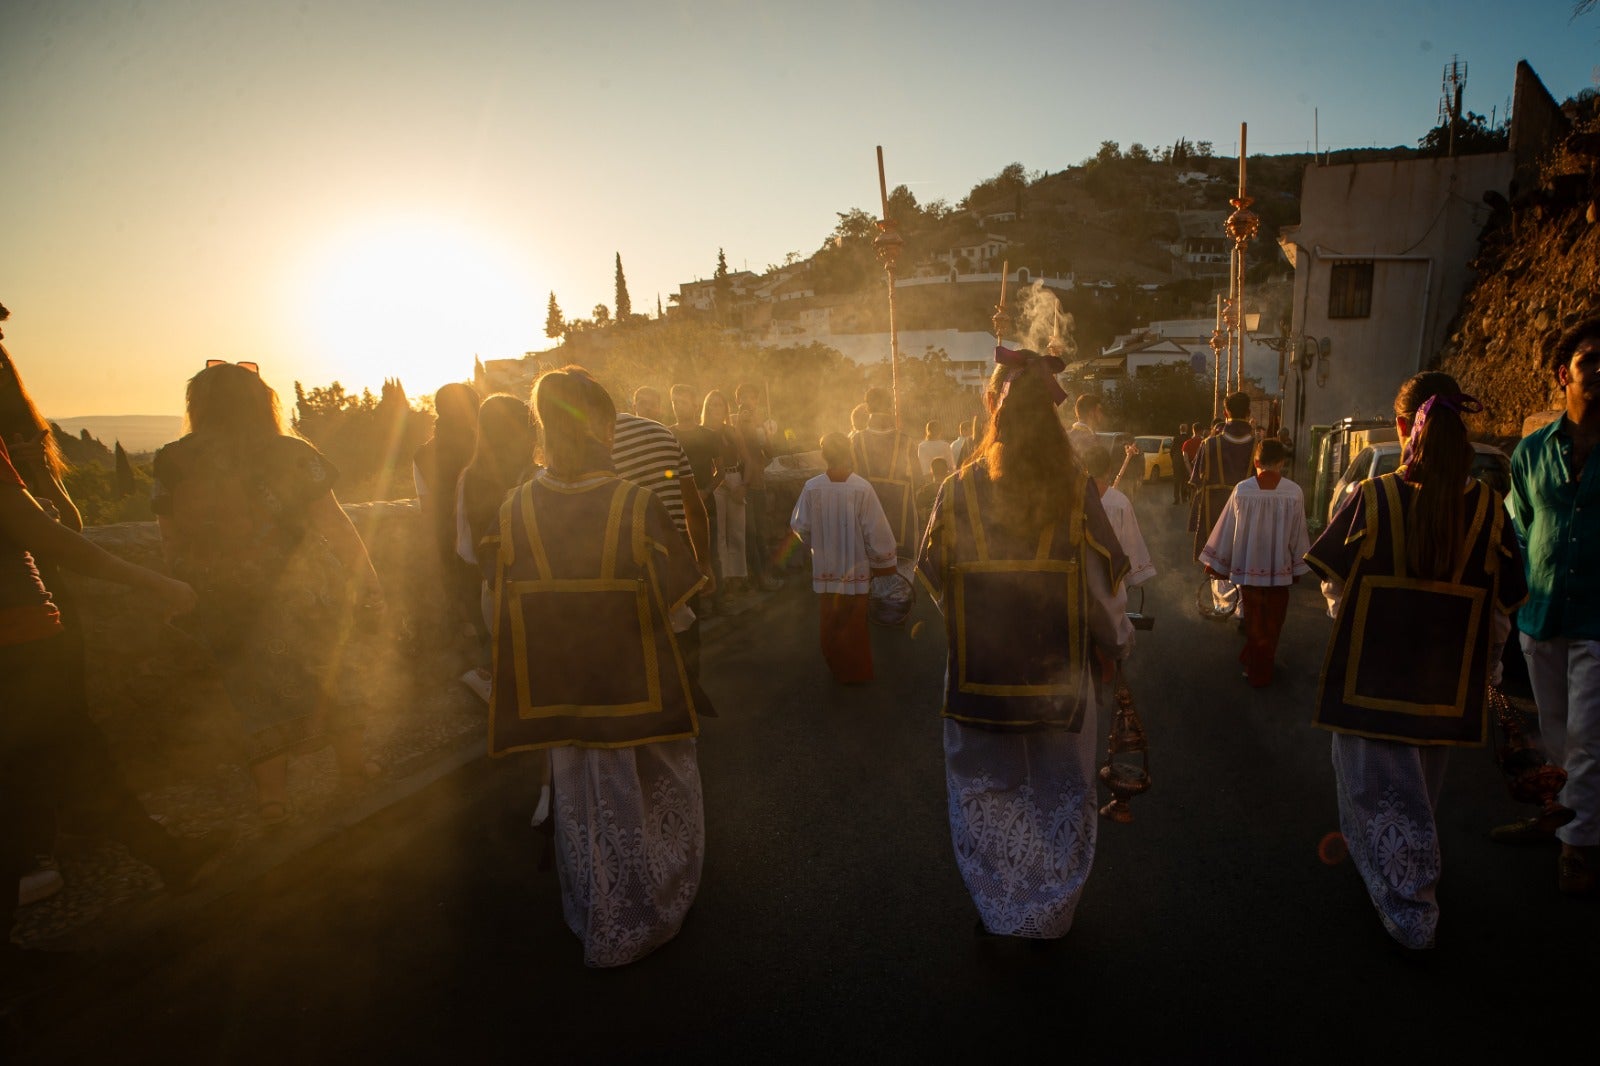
(1012, 179)
(1473, 136)
(1110, 152)
(1159, 398)
(846, 262)
(721, 288)
(554, 324)
(624, 305)
(602, 314)
(1138, 153)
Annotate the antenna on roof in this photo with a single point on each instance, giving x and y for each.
(1455, 81)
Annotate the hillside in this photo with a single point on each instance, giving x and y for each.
(1538, 273)
(137, 433)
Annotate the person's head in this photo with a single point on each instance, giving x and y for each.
(745, 418)
(1437, 459)
(1574, 359)
(1285, 436)
(1270, 454)
(879, 400)
(647, 403)
(836, 451)
(685, 407)
(714, 409)
(1183, 429)
(20, 416)
(1037, 478)
(965, 429)
(577, 420)
(1237, 405)
(747, 394)
(1097, 461)
(940, 469)
(455, 409)
(506, 435)
(860, 415)
(1088, 410)
(931, 430)
(230, 400)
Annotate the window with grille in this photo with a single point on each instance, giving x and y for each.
(1350, 290)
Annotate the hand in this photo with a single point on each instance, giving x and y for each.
(1130, 449)
(176, 597)
(48, 506)
(25, 449)
(710, 574)
(737, 494)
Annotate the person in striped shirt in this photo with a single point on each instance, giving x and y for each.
(648, 453)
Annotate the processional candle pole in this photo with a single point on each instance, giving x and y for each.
(1242, 226)
(887, 245)
(1219, 341)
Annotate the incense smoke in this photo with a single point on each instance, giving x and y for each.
(1042, 324)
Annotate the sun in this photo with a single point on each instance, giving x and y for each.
(416, 300)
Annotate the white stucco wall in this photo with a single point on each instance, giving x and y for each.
(1418, 221)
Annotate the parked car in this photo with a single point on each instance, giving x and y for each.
(1157, 456)
(1489, 465)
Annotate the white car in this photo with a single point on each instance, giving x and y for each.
(1489, 466)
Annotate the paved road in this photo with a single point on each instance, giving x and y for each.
(832, 923)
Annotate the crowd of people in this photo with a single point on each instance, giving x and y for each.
(562, 524)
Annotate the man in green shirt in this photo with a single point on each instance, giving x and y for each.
(1555, 502)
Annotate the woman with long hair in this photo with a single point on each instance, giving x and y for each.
(1027, 572)
(1421, 571)
(248, 517)
(590, 577)
(83, 775)
(502, 460)
(436, 469)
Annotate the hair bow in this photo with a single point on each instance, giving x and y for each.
(1018, 362)
(1458, 402)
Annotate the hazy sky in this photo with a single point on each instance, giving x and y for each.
(341, 191)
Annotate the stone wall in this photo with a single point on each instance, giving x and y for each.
(152, 689)
(1538, 273)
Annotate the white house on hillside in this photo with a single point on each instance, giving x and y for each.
(1382, 258)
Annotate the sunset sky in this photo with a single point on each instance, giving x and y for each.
(348, 191)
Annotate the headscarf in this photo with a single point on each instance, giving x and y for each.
(1030, 362)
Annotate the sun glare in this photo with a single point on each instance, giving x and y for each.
(417, 300)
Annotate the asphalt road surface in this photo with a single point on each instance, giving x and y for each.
(832, 923)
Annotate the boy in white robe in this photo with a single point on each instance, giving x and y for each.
(1097, 462)
(1259, 543)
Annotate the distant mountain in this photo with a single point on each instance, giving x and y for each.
(138, 433)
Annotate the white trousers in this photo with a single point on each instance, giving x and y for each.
(1388, 793)
(1566, 685)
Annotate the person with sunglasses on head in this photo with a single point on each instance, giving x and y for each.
(249, 518)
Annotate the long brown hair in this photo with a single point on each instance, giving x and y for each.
(19, 416)
(1037, 476)
(1439, 462)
